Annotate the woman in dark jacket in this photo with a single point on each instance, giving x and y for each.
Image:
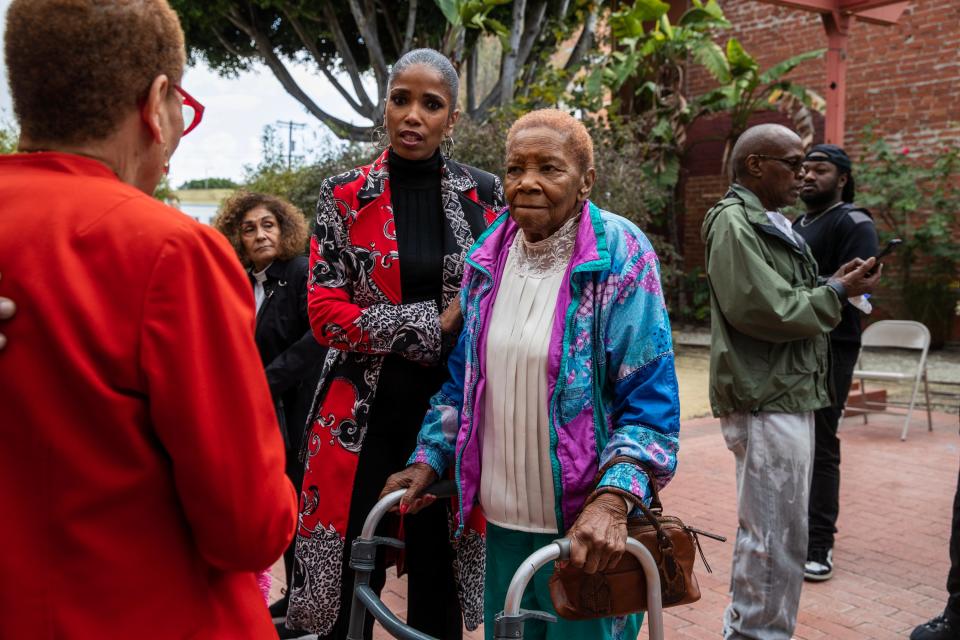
(386, 263)
(269, 235)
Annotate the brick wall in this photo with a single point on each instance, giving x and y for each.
(700, 193)
(904, 78)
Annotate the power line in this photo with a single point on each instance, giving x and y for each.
(290, 127)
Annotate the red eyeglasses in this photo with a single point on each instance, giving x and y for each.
(192, 110)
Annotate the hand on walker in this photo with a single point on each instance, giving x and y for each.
(598, 538)
(414, 479)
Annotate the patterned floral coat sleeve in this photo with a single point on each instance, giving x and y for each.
(349, 277)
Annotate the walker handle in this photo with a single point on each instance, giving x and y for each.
(363, 560)
(442, 489)
(509, 623)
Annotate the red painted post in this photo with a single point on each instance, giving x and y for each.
(837, 27)
(836, 15)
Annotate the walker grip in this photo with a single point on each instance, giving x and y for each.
(564, 544)
(510, 627)
(442, 489)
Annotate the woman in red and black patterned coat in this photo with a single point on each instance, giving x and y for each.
(386, 263)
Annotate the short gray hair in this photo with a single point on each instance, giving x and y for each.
(433, 59)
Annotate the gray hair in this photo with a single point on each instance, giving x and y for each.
(433, 59)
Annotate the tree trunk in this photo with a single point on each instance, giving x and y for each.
(531, 31)
(269, 57)
(508, 72)
(473, 67)
(584, 42)
(676, 208)
(411, 26)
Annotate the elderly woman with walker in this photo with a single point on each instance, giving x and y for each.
(562, 404)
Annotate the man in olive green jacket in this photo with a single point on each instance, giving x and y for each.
(770, 315)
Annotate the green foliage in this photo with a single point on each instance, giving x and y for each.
(9, 135)
(482, 144)
(352, 43)
(633, 182)
(629, 182)
(164, 192)
(471, 14)
(696, 306)
(916, 199)
(646, 71)
(643, 81)
(641, 86)
(645, 42)
(300, 184)
(744, 89)
(714, 60)
(630, 21)
(209, 183)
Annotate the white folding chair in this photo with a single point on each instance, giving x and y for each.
(900, 334)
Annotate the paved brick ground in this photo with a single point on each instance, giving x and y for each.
(891, 554)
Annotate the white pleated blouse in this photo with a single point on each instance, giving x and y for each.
(516, 484)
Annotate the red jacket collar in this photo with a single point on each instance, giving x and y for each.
(59, 162)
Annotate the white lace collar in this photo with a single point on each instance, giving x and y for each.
(548, 256)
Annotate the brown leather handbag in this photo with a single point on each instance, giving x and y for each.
(622, 589)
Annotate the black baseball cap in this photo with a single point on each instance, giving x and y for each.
(830, 153)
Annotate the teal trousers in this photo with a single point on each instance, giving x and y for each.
(506, 549)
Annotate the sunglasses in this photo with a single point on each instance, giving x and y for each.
(192, 110)
(794, 164)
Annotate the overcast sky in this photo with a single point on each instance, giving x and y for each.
(236, 112)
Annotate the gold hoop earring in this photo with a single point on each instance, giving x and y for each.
(448, 146)
(380, 137)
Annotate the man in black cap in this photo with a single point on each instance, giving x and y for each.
(837, 231)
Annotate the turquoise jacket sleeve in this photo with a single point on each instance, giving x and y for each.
(436, 443)
(645, 420)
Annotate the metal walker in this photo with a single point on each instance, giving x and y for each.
(509, 623)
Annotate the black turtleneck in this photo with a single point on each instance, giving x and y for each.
(418, 216)
(404, 387)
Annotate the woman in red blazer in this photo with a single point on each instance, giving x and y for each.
(141, 465)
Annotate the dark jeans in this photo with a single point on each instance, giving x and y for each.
(825, 486)
(953, 578)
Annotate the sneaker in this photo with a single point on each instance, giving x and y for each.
(937, 629)
(819, 565)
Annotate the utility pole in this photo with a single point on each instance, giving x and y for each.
(290, 127)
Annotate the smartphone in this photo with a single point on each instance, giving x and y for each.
(887, 250)
(892, 244)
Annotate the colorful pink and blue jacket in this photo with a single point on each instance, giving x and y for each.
(612, 384)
